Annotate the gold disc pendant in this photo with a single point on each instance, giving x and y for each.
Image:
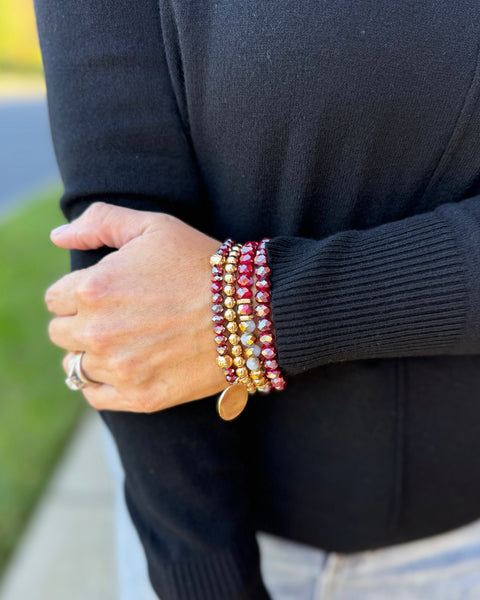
(232, 401)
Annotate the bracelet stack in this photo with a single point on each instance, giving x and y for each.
(244, 334)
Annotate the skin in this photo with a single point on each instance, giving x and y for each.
(142, 315)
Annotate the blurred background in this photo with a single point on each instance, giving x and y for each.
(40, 419)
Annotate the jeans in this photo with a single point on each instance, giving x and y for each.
(441, 567)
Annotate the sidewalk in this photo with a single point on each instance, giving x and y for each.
(67, 552)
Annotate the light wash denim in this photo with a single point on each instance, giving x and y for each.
(442, 567)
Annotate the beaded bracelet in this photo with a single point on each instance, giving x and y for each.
(241, 303)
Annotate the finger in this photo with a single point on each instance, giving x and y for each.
(102, 225)
(106, 397)
(93, 374)
(60, 297)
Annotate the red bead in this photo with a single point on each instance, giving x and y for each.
(245, 269)
(262, 284)
(231, 378)
(218, 319)
(222, 350)
(262, 297)
(249, 247)
(273, 374)
(244, 293)
(217, 299)
(220, 340)
(217, 270)
(216, 287)
(260, 259)
(245, 258)
(216, 278)
(262, 310)
(219, 329)
(245, 281)
(229, 371)
(262, 272)
(266, 339)
(244, 309)
(217, 309)
(269, 352)
(265, 325)
(271, 365)
(279, 383)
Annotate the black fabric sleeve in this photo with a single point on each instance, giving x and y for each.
(405, 288)
(119, 138)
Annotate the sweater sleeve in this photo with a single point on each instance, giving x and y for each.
(405, 288)
(119, 137)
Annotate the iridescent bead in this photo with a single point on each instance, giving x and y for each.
(253, 363)
(234, 339)
(237, 350)
(245, 269)
(265, 325)
(273, 374)
(229, 371)
(242, 372)
(245, 281)
(230, 314)
(217, 270)
(216, 287)
(217, 319)
(232, 326)
(229, 290)
(252, 350)
(229, 278)
(271, 365)
(222, 350)
(219, 330)
(217, 298)
(260, 259)
(279, 383)
(244, 309)
(262, 272)
(217, 278)
(224, 362)
(269, 352)
(262, 284)
(231, 378)
(262, 297)
(247, 326)
(217, 309)
(247, 339)
(266, 338)
(229, 302)
(244, 292)
(245, 258)
(249, 246)
(239, 361)
(265, 389)
(220, 340)
(262, 310)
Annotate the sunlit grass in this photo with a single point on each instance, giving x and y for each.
(37, 412)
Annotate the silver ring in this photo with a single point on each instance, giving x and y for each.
(76, 379)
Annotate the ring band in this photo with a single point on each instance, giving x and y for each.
(76, 379)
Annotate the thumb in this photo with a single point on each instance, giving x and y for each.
(102, 225)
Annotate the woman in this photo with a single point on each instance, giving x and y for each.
(349, 135)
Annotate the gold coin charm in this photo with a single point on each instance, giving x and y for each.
(232, 401)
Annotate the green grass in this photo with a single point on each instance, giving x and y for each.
(37, 412)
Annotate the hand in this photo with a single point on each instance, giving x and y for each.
(142, 314)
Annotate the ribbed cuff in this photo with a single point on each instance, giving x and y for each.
(229, 575)
(395, 290)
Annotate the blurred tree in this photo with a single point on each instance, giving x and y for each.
(19, 49)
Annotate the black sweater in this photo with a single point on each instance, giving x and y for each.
(349, 132)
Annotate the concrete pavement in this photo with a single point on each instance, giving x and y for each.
(67, 551)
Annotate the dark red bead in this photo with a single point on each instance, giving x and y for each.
(219, 329)
(263, 284)
(217, 309)
(245, 258)
(262, 272)
(244, 292)
(231, 378)
(260, 259)
(269, 352)
(222, 350)
(220, 340)
(248, 247)
(216, 286)
(217, 299)
(216, 278)
(262, 310)
(245, 269)
(265, 325)
(245, 281)
(262, 297)
(273, 374)
(218, 319)
(244, 309)
(229, 371)
(271, 365)
(217, 270)
(279, 383)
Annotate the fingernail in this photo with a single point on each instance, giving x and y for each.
(59, 230)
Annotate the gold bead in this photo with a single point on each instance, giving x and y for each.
(237, 350)
(241, 372)
(251, 388)
(245, 317)
(230, 314)
(217, 259)
(229, 302)
(224, 362)
(229, 278)
(256, 374)
(239, 361)
(229, 290)
(229, 268)
(234, 339)
(246, 301)
(232, 260)
(232, 326)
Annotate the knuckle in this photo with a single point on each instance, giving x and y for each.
(91, 289)
(92, 337)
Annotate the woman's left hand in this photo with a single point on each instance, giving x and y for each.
(142, 315)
